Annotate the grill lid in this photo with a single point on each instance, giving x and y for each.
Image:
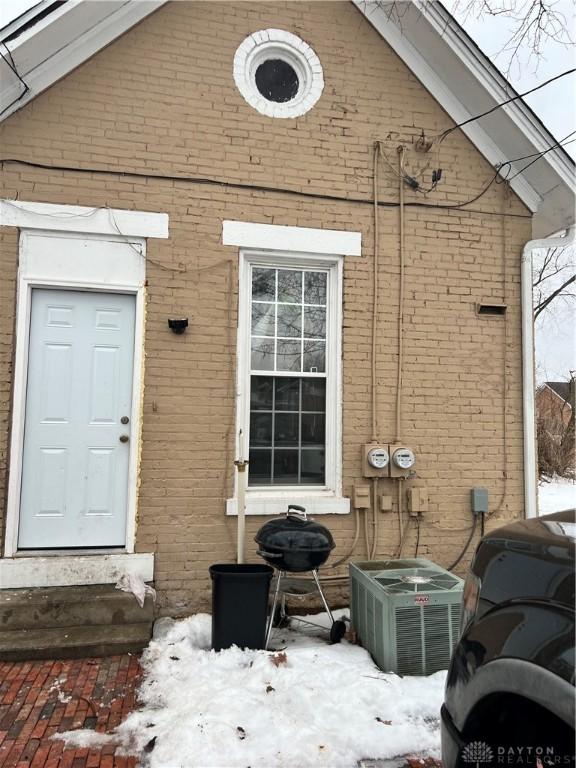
(294, 533)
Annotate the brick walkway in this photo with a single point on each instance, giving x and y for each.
(41, 698)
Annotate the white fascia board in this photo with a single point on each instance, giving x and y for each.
(272, 237)
(23, 18)
(55, 31)
(399, 42)
(496, 86)
(10, 85)
(76, 218)
(73, 570)
(90, 37)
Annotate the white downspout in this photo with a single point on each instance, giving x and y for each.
(530, 475)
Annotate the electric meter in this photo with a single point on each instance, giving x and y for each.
(375, 460)
(378, 458)
(402, 461)
(403, 458)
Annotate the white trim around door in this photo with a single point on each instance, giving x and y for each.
(111, 261)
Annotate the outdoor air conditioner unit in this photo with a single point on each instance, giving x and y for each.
(406, 613)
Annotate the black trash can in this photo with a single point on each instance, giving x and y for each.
(239, 605)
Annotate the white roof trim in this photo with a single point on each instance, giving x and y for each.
(76, 218)
(61, 41)
(24, 18)
(498, 87)
(464, 82)
(400, 42)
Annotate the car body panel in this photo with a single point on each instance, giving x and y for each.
(520, 640)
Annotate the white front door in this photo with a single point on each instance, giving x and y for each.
(77, 428)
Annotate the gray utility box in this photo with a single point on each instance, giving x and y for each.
(406, 613)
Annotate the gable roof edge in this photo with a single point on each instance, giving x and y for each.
(513, 127)
(91, 27)
(498, 87)
(565, 400)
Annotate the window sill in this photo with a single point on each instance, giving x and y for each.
(278, 504)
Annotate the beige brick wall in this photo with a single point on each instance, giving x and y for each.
(162, 100)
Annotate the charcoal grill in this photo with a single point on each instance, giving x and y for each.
(296, 544)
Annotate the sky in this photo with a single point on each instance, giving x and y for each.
(555, 105)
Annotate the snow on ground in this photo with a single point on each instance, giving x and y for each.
(556, 495)
(306, 705)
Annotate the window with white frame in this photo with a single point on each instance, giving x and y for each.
(290, 368)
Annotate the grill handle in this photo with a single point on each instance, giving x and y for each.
(265, 554)
(295, 510)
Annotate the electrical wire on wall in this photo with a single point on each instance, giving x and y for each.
(375, 183)
(371, 552)
(465, 547)
(398, 437)
(243, 186)
(400, 362)
(371, 547)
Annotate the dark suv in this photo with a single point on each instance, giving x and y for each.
(510, 688)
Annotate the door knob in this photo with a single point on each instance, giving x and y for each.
(124, 438)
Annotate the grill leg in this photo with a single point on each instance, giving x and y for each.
(275, 602)
(317, 580)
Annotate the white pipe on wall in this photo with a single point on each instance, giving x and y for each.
(241, 465)
(530, 472)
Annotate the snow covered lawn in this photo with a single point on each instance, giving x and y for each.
(558, 494)
(307, 704)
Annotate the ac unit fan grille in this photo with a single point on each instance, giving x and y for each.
(417, 580)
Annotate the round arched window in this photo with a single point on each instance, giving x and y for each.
(278, 73)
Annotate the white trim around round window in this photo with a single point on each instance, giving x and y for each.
(272, 45)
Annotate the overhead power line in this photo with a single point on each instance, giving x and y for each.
(538, 155)
(503, 104)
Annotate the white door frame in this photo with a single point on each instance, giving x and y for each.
(23, 315)
(49, 221)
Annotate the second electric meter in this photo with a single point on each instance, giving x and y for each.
(403, 458)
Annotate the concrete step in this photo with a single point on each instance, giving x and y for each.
(72, 622)
(96, 605)
(73, 642)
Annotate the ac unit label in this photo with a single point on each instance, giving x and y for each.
(421, 599)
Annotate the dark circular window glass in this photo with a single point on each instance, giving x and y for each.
(277, 80)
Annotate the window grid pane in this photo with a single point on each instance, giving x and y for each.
(296, 342)
(296, 453)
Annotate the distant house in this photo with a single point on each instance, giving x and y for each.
(259, 217)
(553, 406)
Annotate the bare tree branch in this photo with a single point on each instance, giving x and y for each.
(539, 308)
(534, 24)
(553, 278)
